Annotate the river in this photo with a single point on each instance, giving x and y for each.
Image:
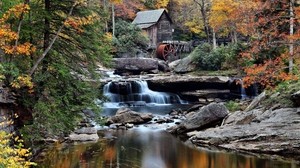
(147, 148)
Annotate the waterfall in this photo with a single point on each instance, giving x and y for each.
(243, 90)
(137, 93)
(238, 90)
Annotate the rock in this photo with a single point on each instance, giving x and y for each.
(206, 116)
(163, 66)
(89, 113)
(256, 101)
(83, 137)
(173, 64)
(129, 125)
(257, 131)
(86, 130)
(185, 65)
(135, 64)
(195, 107)
(6, 96)
(126, 115)
(295, 97)
(187, 84)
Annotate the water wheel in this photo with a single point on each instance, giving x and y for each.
(164, 51)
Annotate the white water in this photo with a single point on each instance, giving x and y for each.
(137, 93)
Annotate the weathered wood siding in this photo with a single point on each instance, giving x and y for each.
(152, 35)
(164, 29)
(161, 31)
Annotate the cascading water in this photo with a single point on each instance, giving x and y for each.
(238, 90)
(243, 91)
(137, 95)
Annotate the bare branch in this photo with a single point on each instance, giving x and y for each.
(52, 42)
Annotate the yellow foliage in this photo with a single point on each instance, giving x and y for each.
(231, 14)
(23, 81)
(115, 1)
(13, 156)
(162, 3)
(108, 37)
(194, 26)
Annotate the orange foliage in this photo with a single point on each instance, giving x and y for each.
(269, 73)
(269, 44)
(128, 9)
(78, 22)
(15, 12)
(10, 45)
(8, 36)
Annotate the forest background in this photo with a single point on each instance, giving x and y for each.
(46, 46)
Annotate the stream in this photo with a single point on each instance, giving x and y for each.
(145, 146)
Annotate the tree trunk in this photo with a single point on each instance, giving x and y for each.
(46, 25)
(203, 9)
(235, 37)
(214, 39)
(113, 19)
(291, 42)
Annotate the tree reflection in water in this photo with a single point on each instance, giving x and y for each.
(148, 149)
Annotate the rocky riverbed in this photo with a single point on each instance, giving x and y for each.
(271, 131)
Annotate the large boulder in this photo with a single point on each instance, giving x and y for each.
(206, 116)
(135, 64)
(126, 115)
(258, 130)
(185, 65)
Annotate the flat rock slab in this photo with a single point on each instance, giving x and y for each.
(86, 130)
(135, 64)
(268, 131)
(83, 137)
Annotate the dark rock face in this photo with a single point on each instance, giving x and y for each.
(187, 82)
(257, 131)
(135, 64)
(206, 116)
(6, 96)
(163, 66)
(295, 97)
(126, 115)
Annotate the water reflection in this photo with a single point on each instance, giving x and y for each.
(148, 149)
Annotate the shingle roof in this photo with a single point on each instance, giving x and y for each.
(148, 17)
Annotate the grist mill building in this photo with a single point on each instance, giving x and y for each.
(157, 24)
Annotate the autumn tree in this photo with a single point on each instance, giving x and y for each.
(270, 50)
(191, 16)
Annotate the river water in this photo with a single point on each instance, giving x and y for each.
(146, 148)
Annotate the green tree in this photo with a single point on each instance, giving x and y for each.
(48, 49)
(128, 38)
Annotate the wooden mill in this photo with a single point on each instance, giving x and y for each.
(158, 25)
